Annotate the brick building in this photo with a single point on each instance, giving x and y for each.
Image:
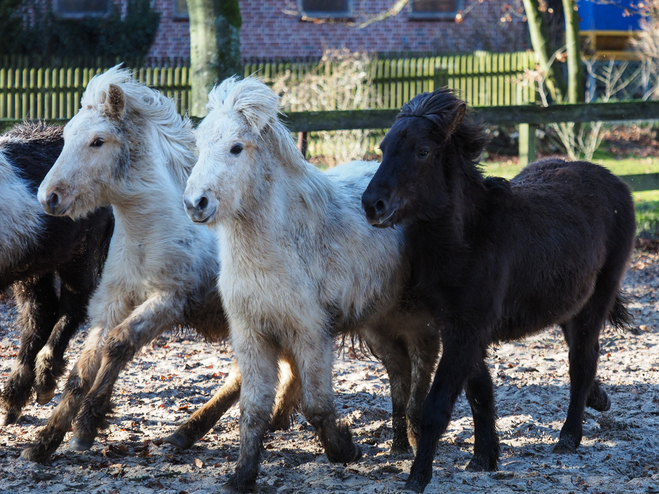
(305, 28)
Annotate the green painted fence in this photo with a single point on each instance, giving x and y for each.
(483, 79)
(54, 93)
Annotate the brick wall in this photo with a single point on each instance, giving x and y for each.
(173, 38)
(271, 28)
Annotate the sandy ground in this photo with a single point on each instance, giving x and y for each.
(176, 374)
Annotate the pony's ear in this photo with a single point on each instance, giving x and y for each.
(457, 119)
(115, 102)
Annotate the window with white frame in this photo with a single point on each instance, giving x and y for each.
(82, 8)
(325, 8)
(435, 9)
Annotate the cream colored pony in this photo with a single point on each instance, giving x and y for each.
(128, 147)
(299, 265)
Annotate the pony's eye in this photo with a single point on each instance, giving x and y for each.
(423, 153)
(96, 143)
(236, 149)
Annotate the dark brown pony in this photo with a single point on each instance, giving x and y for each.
(52, 265)
(498, 260)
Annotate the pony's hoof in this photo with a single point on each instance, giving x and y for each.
(181, 441)
(601, 403)
(399, 450)
(80, 443)
(235, 486)
(280, 423)
(481, 463)
(36, 453)
(44, 397)
(345, 457)
(414, 486)
(11, 417)
(565, 446)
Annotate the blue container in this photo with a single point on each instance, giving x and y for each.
(598, 17)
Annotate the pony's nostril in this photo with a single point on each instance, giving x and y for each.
(380, 206)
(203, 203)
(53, 200)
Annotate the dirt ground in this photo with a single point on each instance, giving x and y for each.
(177, 373)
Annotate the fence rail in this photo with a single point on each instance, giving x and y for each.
(482, 78)
(527, 117)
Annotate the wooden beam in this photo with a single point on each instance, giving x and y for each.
(495, 115)
(526, 144)
(641, 182)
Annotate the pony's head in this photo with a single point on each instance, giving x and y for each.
(120, 122)
(429, 137)
(233, 140)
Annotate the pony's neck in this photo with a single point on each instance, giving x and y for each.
(150, 193)
(464, 196)
(291, 198)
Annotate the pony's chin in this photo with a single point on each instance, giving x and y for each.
(60, 210)
(206, 219)
(388, 222)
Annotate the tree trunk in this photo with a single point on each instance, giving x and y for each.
(214, 47)
(544, 51)
(576, 93)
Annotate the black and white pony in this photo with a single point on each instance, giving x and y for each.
(52, 265)
(300, 264)
(498, 260)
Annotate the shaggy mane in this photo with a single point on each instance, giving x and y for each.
(439, 107)
(259, 106)
(168, 133)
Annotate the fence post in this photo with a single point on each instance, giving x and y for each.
(302, 138)
(526, 143)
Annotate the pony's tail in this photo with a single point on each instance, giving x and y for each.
(619, 316)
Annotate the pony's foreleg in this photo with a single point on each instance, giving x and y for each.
(396, 360)
(147, 321)
(79, 382)
(480, 393)
(37, 307)
(288, 396)
(206, 417)
(314, 360)
(50, 363)
(459, 357)
(424, 352)
(258, 359)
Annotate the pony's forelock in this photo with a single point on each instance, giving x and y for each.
(259, 106)
(252, 99)
(440, 107)
(158, 118)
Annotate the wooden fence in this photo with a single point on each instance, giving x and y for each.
(483, 79)
(526, 117)
(54, 93)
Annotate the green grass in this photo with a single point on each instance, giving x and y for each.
(647, 212)
(624, 166)
(647, 203)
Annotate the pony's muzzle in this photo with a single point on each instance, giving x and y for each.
(52, 202)
(379, 211)
(199, 208)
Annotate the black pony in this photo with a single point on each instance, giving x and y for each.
(52, 264)
(497, 260)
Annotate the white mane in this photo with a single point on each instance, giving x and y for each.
(151, 113)
(259, 106)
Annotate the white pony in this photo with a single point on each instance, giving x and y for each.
(128, 147)
(300, 264)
